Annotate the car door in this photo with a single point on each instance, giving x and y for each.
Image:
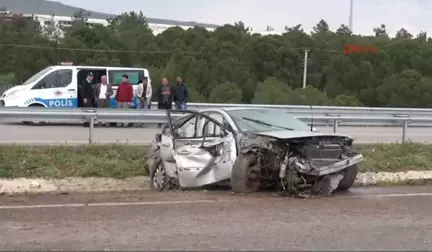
(203, 153)
(57, 89)
(185, 125)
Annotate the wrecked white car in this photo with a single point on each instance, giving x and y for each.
(250, 149)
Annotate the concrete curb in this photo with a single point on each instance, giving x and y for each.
(74, 184)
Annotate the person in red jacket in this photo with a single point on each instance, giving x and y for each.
(124, 95)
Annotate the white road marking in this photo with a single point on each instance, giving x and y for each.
(403, 195)
(111, 204)
(385, 195)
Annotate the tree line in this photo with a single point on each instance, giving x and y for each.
(232, 64)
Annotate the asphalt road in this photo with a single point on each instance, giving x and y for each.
(365, 219)
(80, 135)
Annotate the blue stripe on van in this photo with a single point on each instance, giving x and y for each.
(68, 103)
(53, 103)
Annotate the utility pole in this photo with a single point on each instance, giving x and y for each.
(350, 21)
(305, 67)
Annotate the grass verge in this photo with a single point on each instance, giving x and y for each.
(121, 161)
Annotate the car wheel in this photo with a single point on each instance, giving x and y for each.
(245, 174)
(158, 176)
(350, 175)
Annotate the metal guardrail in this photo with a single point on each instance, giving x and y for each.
(91, 116)
(333, 111)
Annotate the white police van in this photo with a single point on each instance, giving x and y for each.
(57, 86)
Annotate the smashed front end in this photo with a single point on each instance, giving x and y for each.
(318, 164)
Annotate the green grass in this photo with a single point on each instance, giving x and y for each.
(395, 157)
(116, 161)
(121, 161)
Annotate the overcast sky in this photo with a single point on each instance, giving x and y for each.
(414, 15)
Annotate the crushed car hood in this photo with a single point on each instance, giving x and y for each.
(290, 134)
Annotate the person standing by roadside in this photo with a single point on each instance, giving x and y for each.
(144, 94)
(181, 94)
(86, 94)
(165, 95)
(102, 93)
(124, 95)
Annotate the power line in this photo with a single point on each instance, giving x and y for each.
(84, 49)
(137, 51)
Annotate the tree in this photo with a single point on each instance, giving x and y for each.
(403, 34)
(344, 30)
(272, 91)
(226, 93)
(233, 64)
(81, 15)
(269, 28)
(53, 31)
(345, 100)
(380, 31)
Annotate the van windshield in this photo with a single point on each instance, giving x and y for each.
(38, 75)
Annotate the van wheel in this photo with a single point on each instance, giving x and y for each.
(37, 123)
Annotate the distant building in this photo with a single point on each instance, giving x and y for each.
(156, 25)
(62, 21)
(267, 33)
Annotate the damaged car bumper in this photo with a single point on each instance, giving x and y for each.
(313, 167)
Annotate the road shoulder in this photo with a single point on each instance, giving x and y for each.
(75, 184)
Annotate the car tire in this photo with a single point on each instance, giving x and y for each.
(350, 175)
(155, 168)
(240, 174)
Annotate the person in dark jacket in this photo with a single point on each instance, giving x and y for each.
(164, 95)
(180, 94)
(86, 91)
(86, 94)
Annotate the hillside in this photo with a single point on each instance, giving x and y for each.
(59, 9)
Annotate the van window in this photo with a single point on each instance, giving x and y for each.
(38, 75)
(115, 76)
(56, 79)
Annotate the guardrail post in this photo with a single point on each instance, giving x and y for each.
(335, 125)
(91, 128)
(404, 130)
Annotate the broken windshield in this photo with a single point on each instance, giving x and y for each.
(264, 123)
(257, 120)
